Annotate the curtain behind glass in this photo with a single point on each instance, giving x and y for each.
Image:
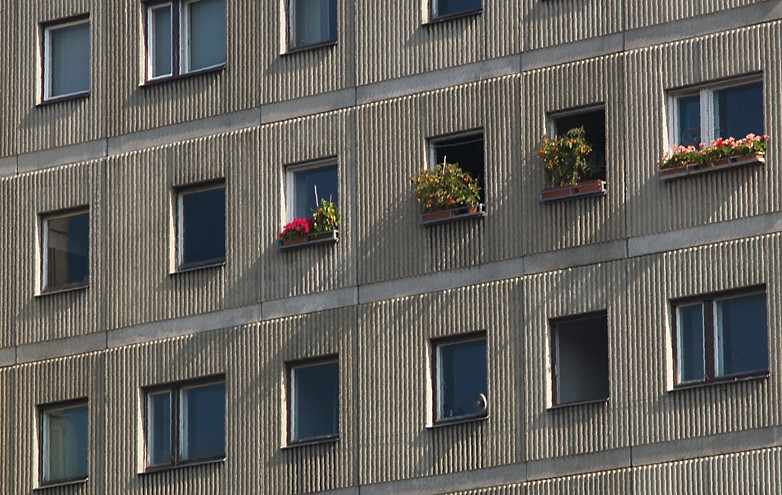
(207, 33)
(65, 444)
(742, 339)
(69, 60)
(162, 41)
(67, 250)
(202, 422)
(313, 21)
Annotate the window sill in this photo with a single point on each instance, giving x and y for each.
(60, 99)
(200, 266)
(195, 73)
(184, 465)
(722, 381)
(453, 214)
(575, 404)
(60, 290)
(330, 237)
(314, 441)
(59, 484)
(667, 174)
(443, 423)
(305, 48)
(451, 17)
(595, 187)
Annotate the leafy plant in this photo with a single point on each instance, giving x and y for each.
(326, 217)
(707, 156)
(565, 157)
(447, 186)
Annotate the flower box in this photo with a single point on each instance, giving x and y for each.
(595, 187)
(329, 237)
(452, 214)
(758, 158)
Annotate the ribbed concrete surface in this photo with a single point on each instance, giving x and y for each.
(643, 14)
(547, 24)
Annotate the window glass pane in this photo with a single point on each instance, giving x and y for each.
(160, 48)
(689, 120)
(65, 438)
(207, 33)
(69, 59)
(692, 365)
(315, 401)
(742, 344)
(448, 7)
(313, 21)
(312, 183)
(67, 250)
(203, 224)
(740, 110)
(159, 428)
(582, 360)
(462, 376)
(203, 422)
(467, 151)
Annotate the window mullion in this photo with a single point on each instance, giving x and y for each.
(175, 34)
(709, 341)
(175, 426)
(708, 115)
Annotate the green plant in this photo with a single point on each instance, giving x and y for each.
(447, 186)
(707, 156)
(565, 157)
(326, 216)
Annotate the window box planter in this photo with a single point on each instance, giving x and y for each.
(453, 214)
(330, 237)
(595, 187)
(725, 163)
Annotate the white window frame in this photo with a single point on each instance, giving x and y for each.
(438, 416)
(292, 399)
(708, 119)
(44, 248)
(180, 193)
(184, 40)
(45, 440)
(290, 182)
(47, 59)
(150, 39)
(680, 338)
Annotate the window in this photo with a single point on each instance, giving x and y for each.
(64, 442)
(314, 401)
(201, 226)
(66, 250)
(309, 184)
(460, 378)
(311, 22)
(705, 114)
(66, 58)
(185, 423)
(593, 120)
(447, 8)
(720, 338)
(184, 36)
(464, 149)
(580, 359)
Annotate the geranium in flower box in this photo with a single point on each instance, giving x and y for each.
(721, 154)
(322, 228)
(447, 193)
(565, 159)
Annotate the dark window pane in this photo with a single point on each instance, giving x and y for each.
(203, 422)
(467, 151)
(203, 224)
(448, 7)
(66, 438)
(313, 21)
(315, 401)
(462, 376)
(69, 59)
(582, 360)
(161, 43)
(594, 124)
(312, 183)
(67, 247)
(159, 428)
(742, 341)
(740, 110)
(207, 33)
(692, 365)
(689, 120)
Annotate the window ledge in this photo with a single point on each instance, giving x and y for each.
(60, 99)
(330, 237)
(595, 187)
(194, 268)
(575, 404)
(450, 17)
(305, 48)
(195, 73)
(667, 174)
(458, 421)
(453, 214)
(314, 441)
(185, 465)
(722, 381)
(59, 484)
(61, 290)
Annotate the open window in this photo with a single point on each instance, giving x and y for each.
(466, 150)
(460, 378)
(200, 225)
(308, 184)
(65, 247)
(313, 401)
(580, 359)
(593, 120)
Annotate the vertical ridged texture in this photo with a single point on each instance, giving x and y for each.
(316, 268)
(68, 122)
(664, 206)
(53, 316)
(581, 221)
(8, 426)
(547, 23)
(50, 382)
(307, 72)
(650, 13)
(9, 88)
(141, 208)
(7, 251)
(518, 489)
(307, 468)
(393, 144)
(395, 387)
(753, 472)
(584, 428)
(653, 281)
(135, 108)
(616, 482)
(230, 352)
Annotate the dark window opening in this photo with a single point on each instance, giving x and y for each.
(67, 251)
(314, 402)
(443, 8)
(580, 355)
(201, 226)
(594, 124)
(312, 22)
(466, 150)
(461, 379)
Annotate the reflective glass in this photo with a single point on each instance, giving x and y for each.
(207, 33)
(161, 43)
(69, 59)
(313, 21)
(203, 226)
(448, 7)
(692, 365)
(689, 120)
(740, 110)
(462, 376)
(315, 401)
(67, 250)
(742, 340)
(202, 412)
(65, 446)
(313, 185)
(159, 428)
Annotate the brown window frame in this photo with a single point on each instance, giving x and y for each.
(290, 406)
(44, 219)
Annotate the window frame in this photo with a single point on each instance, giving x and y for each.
(179, 193)
(45, 54)
(290, 389)
(432, 143)
(42, 440)
(706, 93)
(290, 181)
(710, 349)
(290, 19)
(434, 18)
(43, 249)
(175, 390)
(437, 344)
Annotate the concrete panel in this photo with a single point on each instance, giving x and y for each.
(557, 23)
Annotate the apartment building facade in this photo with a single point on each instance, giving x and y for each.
(156, 337)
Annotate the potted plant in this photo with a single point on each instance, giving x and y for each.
(447, 193)
(565, 159)
(322, 227)
(722, 153)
